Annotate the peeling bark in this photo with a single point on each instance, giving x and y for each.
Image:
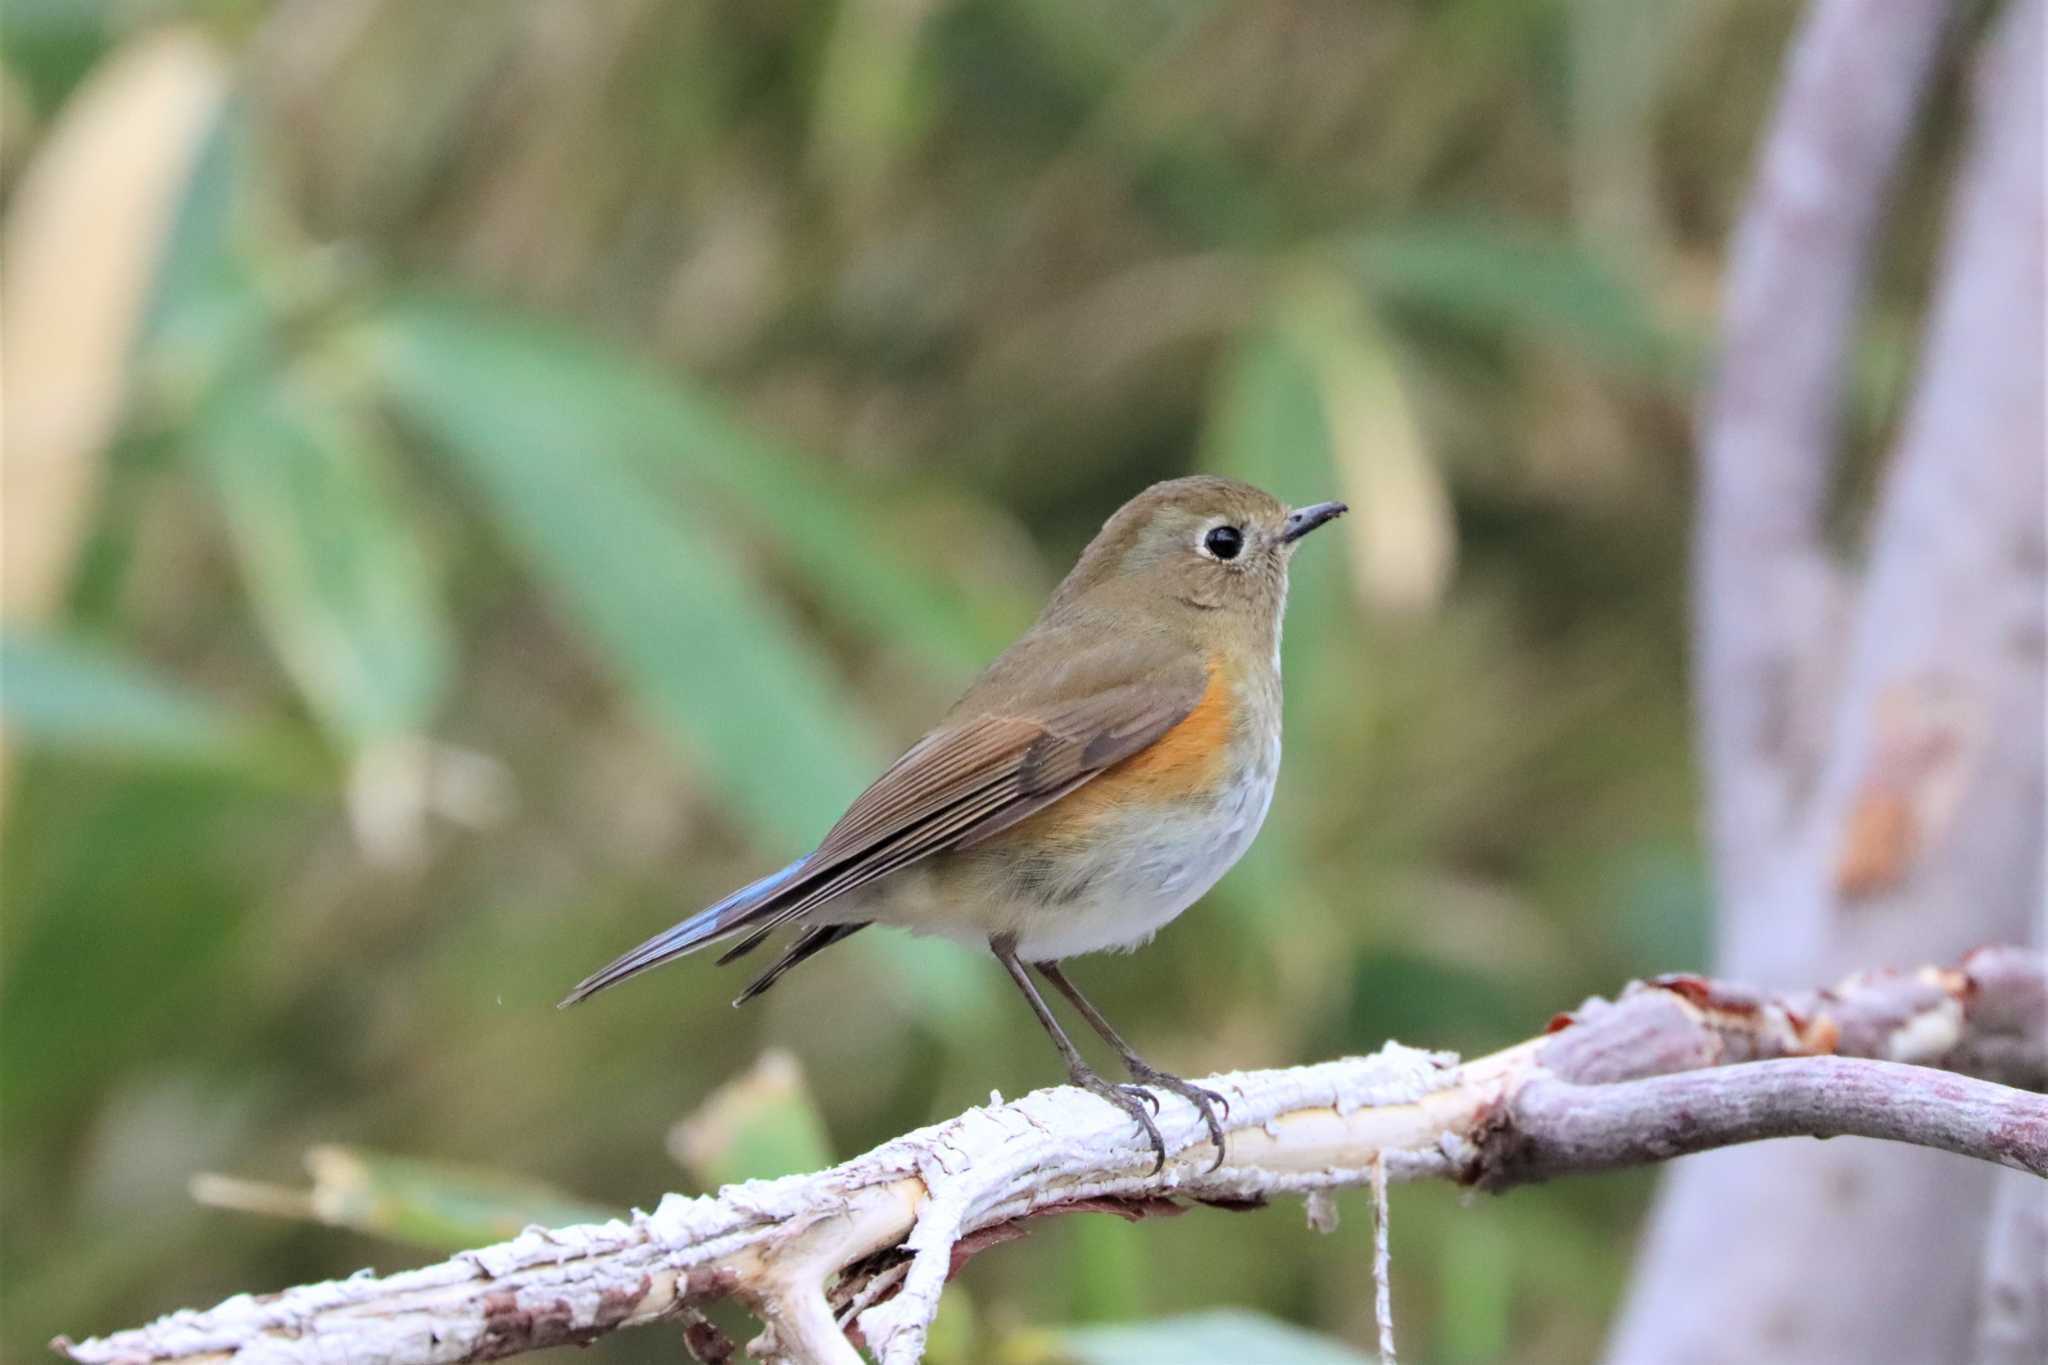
(1673, 1066)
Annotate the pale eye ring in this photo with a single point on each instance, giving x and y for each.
(1224, 542)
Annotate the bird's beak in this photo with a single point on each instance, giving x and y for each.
(1302, 520)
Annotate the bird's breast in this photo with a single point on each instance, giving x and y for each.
(1197, 757)
(1111, 863)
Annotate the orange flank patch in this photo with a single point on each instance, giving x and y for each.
(1187, 760)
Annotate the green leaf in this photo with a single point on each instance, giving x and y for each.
(198, 253)
(1496, 279)
(1222, 1337)
(433, 1204)
(756, 1127)
(1400, 533)
(70, 695)
(207, 311)
(337, 570)
(849, 541)
(547, 431)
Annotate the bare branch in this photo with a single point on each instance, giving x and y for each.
(1766, 591)
(1672, 1066)
(1564, 1129)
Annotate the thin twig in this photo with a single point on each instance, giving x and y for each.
(1382, 1261)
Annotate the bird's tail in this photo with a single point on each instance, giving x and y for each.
(706, 926)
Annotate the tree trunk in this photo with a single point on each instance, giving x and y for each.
(1874, 750)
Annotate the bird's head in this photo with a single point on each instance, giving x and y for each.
(1203, 544)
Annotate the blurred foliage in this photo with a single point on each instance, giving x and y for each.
(432, 1204)
(761, 1124)
(1223, 1337)
(565, 448)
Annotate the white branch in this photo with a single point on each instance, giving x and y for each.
(1676, 1065)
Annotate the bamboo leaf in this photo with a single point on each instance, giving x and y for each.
(338, 572)
(70, 695)
(433, 1204)
(84, 230)
(1493, 278)
(845, 538)
(547, 431)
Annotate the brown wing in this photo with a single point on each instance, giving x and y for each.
(983, 771)
(995, 760)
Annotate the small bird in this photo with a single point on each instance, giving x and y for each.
(1093, 783)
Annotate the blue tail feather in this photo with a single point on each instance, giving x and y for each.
(713, 922)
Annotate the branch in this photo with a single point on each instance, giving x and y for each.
(1679, 1064)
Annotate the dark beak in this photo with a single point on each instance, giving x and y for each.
(1302, 520)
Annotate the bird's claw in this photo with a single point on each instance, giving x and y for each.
(1132, 1100)
(1206, 1101)
(1139, 1101)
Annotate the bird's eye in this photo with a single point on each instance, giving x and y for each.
(1224, 542)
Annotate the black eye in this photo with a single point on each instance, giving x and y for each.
(1224, 542)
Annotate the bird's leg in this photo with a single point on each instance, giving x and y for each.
(1129, 1098)
(1142, 1071)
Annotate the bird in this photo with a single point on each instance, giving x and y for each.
(1093, 783)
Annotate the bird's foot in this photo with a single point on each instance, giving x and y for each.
(1207, 1101)
(1132, 1100)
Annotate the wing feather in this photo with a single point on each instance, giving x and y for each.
(983, 770)
(977, 777)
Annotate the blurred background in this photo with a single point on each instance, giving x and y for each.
(484, 479)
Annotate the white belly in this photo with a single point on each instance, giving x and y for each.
(1140, 871)
(1130, 896)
